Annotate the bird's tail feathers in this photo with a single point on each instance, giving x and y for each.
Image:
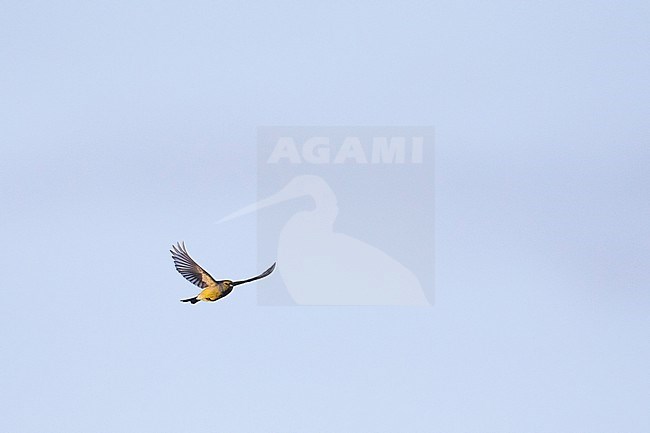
(193, 300)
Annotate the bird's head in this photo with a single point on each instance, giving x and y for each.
(227, 284)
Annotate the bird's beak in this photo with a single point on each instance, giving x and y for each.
(286, 193)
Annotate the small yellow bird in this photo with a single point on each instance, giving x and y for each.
(195, 274)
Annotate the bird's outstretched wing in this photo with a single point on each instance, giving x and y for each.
(188, 268)
(262, 275)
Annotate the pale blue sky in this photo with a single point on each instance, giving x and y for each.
(127, 126)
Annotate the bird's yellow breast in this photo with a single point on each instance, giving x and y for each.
(209, 294)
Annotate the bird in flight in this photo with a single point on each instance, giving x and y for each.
(195, 274)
